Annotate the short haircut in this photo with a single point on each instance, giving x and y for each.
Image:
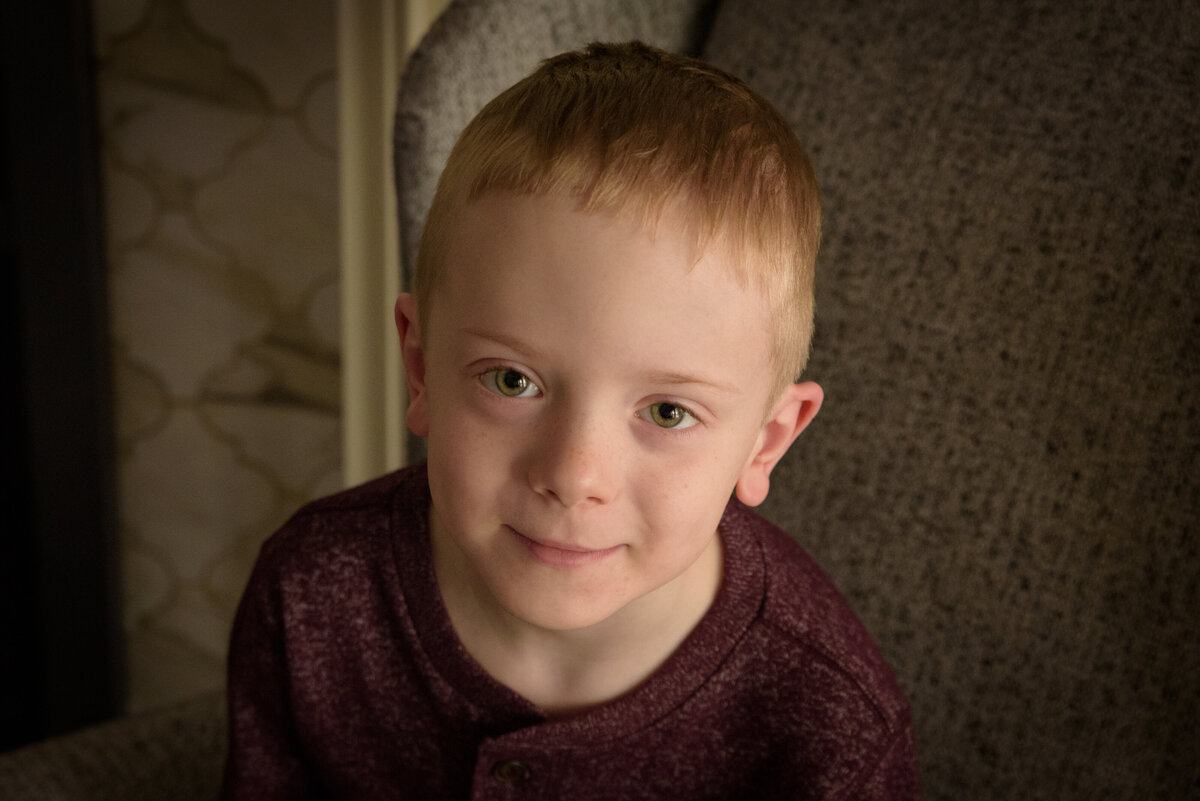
(628, 128)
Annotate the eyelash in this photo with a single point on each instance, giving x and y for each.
(490, 379)
(690, 419)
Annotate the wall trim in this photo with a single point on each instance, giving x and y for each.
(371, 43)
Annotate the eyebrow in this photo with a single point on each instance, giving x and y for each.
(675, 379)
(667, 377)
(507, 340)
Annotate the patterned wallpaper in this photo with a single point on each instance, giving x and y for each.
(218, 127)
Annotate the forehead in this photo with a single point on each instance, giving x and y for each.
(504, 237)
(493, 219)
(620, 285)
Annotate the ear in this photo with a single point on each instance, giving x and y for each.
(408, 326)
(792, 413)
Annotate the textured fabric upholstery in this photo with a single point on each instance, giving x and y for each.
(476, 50)
(1004, 476)
(1003, 479)
(174, 753)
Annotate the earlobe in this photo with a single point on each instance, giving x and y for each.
(408, 326)
(793, 412)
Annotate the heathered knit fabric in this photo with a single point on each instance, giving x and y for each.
(348, 681)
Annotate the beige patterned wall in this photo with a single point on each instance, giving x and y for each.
(218, 125)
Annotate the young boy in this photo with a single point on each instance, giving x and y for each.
(614, 295)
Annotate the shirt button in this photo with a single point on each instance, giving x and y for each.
(510, 771)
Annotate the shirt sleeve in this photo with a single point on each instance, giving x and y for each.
(265, 759)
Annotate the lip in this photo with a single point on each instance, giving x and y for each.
(559, 554)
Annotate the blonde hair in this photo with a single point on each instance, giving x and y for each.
(627, 128)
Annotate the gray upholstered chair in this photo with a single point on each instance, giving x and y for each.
(172, 754)
(1004, 477)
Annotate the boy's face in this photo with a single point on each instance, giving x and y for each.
(591, 395)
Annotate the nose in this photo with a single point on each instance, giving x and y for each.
(576, 462)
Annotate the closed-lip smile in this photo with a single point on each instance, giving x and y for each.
(560, 554)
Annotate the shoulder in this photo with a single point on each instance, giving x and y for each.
(809, 633)
(810, 678)
(348, 525)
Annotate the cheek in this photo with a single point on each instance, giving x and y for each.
(687, 497)
(683, 509)
(698, 477)
(469, 462)
(454, 427)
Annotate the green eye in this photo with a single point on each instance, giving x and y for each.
(509, 382)
(670, 415)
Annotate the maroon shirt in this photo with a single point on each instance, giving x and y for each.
(346, 680)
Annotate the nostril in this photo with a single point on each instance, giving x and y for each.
(572, 479)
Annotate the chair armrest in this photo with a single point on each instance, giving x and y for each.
(176, 752)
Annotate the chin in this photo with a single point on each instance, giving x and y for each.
(552, 615)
